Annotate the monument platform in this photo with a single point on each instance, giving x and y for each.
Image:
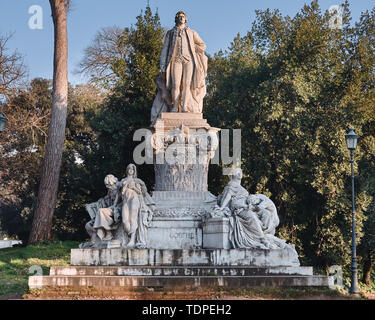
(176, 282)
(128, 271)
(196, 257)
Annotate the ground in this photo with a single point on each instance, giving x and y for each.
(17, 264)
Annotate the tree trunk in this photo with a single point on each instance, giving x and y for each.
(367, 267)
(47, 195)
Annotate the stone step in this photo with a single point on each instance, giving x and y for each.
(177, 271)
(286, 257)
(176, 283)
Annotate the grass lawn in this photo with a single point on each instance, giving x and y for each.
(15, 263)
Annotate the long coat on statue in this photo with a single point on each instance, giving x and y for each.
(197, 48)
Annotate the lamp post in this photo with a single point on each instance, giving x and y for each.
(3, 121)
(351, 142)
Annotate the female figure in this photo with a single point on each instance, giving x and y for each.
(136, 214)
(252, 223)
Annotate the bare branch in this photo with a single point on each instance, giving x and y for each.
(104, 57)
(13, 71)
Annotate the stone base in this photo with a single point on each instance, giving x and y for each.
(105, 244)
(155, 257)
(9, 243)
(188, 272)
(198, 271)
(175, 233)
(168, 201)
(113, 283)
(216, 234)
(174, 279)
(177, 220)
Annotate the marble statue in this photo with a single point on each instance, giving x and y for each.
(123, 215)
(183, 66)
(103, 214)
(253, 218)
(136, 209)
(162, 100)
(266, 212)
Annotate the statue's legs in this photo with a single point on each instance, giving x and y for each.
(253, 226)
(90, 230)
(176, 71)
(265, 217)
(130, 211)
(186, 96)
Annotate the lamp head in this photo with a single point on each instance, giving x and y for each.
(351, 140)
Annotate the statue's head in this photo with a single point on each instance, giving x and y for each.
(131, 170)
(253, 199)
(110, 180)
(237, 174)
(180, 18)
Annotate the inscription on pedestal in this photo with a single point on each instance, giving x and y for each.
(175, 233)
(182, 235)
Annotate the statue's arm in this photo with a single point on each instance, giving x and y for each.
(116, 200)
(143, 186)
(266, 203)
(199, 43)
(140, 187)
(226, 197)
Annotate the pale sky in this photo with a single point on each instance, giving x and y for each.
(216, 21)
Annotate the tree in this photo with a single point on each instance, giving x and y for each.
(49, 182)
(21, 154)
(12, 68)
(105, 59)
(130, 100)
(294, 86)
(79, 182)
(363, 94)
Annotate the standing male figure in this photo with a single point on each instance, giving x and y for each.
(183, 66)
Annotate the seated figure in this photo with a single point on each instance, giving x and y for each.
(103, 213)
(123, 215)
(266, 212)
(253, 219)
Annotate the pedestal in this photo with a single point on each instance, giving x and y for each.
(183, 144)
(216, 234)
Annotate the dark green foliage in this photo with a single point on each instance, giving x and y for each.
(128, 107)
(291, 85)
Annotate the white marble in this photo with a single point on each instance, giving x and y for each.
(216, 234)
(286, 257)
(123, 216)
(175, 233)
(183, 69)
(9, 243)
(252, 218)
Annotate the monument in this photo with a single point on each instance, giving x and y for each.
(180, 233)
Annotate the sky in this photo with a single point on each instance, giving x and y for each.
(216, 21)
